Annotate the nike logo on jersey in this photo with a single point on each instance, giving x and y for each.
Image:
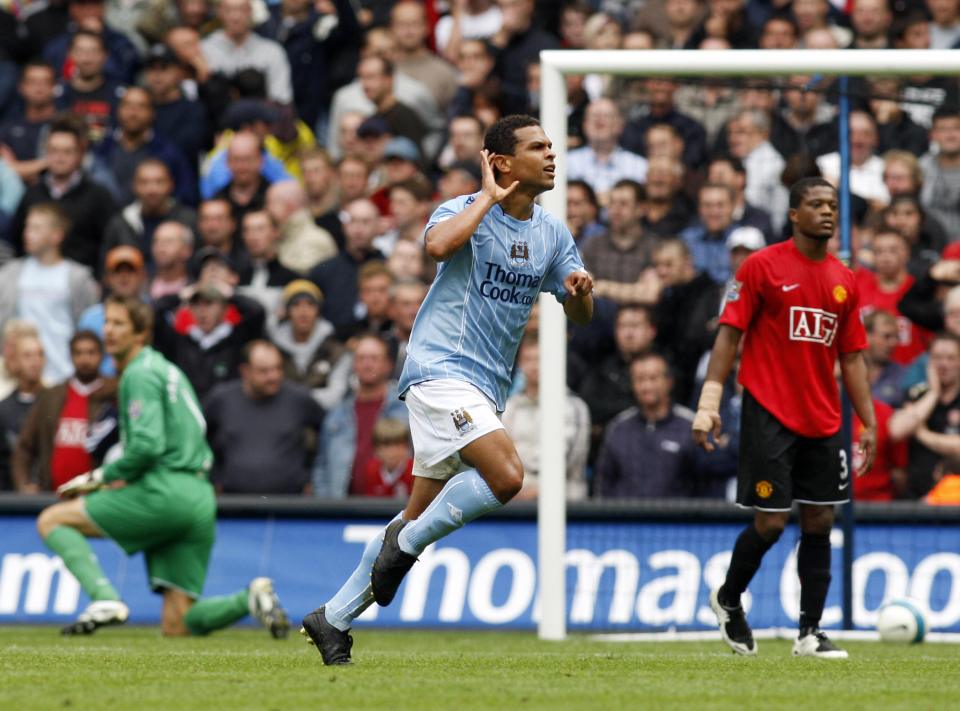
(789, 287)
(844, 485)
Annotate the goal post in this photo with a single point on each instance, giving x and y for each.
(554, 65)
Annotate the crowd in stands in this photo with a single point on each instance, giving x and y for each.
(262, 172)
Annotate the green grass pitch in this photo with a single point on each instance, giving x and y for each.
(134, 668)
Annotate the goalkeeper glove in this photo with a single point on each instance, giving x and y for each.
(82, 484)
(707, 419)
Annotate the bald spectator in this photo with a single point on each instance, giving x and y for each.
(263, 277)
(170, 252)
(667, 210)
(871, 21)
(154, 203)
(408, 25)
(866, 167)
(88, 205)
(312, 355)
(247, 189)
(134, 140)
(29, 357)
(303, 245)
(376, 76)
(602, 162)
(46, 288)
(262, 430)
(337, 277)
(748, 135)
(13, 329)
(619, 259)
(237, 47)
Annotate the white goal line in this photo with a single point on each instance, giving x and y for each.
(785, 633)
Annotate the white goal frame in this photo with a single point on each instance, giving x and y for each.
(554, 64)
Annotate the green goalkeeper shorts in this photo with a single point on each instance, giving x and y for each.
(170, 517)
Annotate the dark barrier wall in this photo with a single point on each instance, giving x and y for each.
(631, 567)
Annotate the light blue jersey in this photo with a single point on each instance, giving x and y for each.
(471, 322)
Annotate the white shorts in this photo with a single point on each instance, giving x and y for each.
(445, 416)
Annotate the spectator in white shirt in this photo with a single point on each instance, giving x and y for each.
(237, 47)
(602, 162)
(748, 136)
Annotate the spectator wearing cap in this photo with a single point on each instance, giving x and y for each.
(741, 243)
(352, 98)
(263, 277)
(689, 292)
(262, 430)
(23, 133)
(88, 92)
(707, 238)
(337, 277)
(602, 162)
(47, 289)
(177, 118)
(170, 252)
(133, 141)
(401, 162)
(204, 329)
(303, 244)
(65, 420)
(729, 171)
(373, 135)
(237, 47)
(376, 78)
(312, 355)
(250, 116)
(154, 203)
(121, 59)
(87, 204)
(247, 189)
(217, 230)
(124, 275)
(346, 439)
(461, 177)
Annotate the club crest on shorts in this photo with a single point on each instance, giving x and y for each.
(764, 489)
(519, 253)
(462, 420)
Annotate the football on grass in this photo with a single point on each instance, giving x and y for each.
(901, 621)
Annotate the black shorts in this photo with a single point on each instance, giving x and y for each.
(778, 467)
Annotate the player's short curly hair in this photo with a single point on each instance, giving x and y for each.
(501, 137)
(799, 190)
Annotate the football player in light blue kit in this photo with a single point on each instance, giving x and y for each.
(498, 250)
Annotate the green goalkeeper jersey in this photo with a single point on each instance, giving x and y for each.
(161, 425)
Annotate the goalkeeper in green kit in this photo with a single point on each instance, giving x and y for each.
(155, 498)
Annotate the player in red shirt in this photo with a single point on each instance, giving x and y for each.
(796, 308)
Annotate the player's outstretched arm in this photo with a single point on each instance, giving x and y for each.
(578, 305)
(707, 419)
(854, 371)
(445, 239)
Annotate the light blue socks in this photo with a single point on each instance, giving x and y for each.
(465, 497)
(355, 595)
